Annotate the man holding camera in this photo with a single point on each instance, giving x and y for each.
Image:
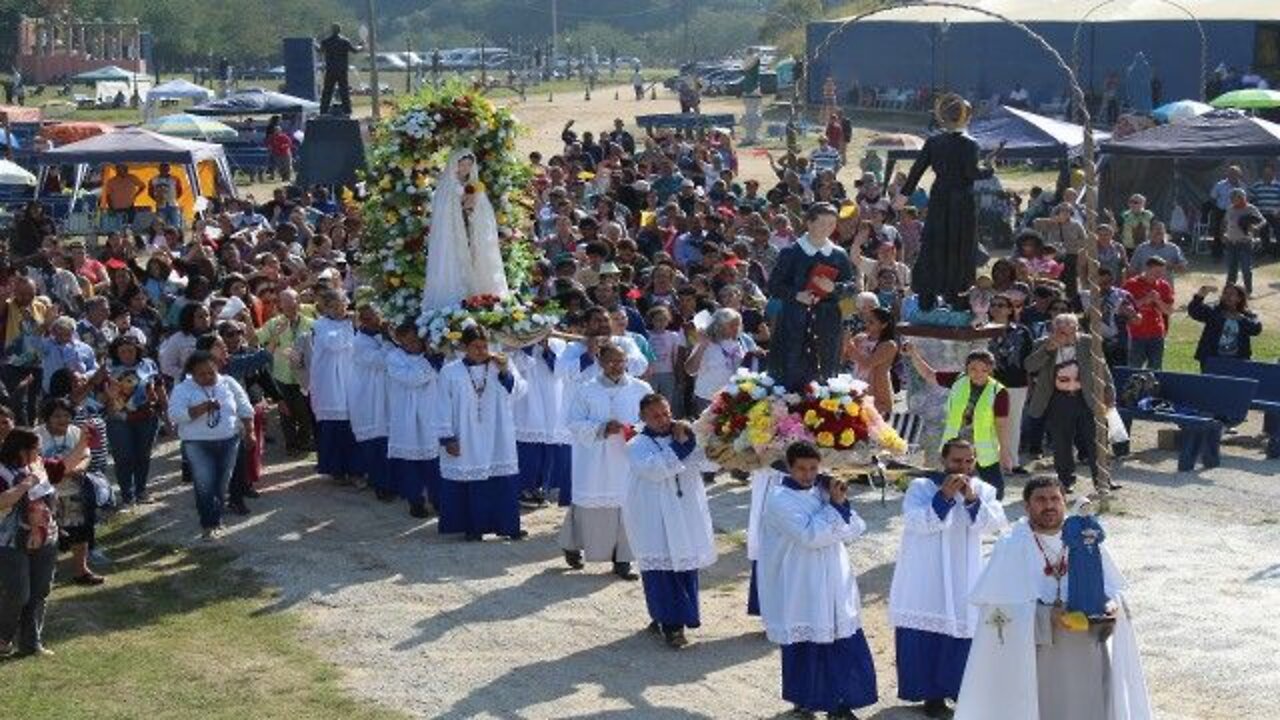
(945, 517)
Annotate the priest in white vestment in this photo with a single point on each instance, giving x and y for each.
(542, 440)
(945, 517)
(667, 519)
(579, 364)
(1027, 662)
(332, 343)
(602, 417)
(413, 445)
(367, 399)
(808, 592)
(480, 473)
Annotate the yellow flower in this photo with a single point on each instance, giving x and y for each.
(759, 438)
(726, 428)
(385, 183)
(393, 281)
(852, 408)
(454, 336)
(392, 218)
(517, 315)
(501, 218)
(811, 418)
(830, 405)
(826, 439)
(747, 386)
(420, 181)
(848, 438)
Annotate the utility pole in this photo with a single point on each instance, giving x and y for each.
(413, 65)
(688, 48)
(555, 35)
(373, 61)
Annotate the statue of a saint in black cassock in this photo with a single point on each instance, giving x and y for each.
(337, 51)
(948, 253)
(806, 285)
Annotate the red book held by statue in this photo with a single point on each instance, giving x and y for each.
(826, 272)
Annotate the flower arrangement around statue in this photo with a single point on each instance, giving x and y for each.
(752, 420)
(407, 155)
(514, 321)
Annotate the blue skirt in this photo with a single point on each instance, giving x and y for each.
(930, 665)
(480, 506)
(373, 460)
(672, 597)
(829, 676)
(416, 480)
(543, 466)
(336, 452)
(753, 594)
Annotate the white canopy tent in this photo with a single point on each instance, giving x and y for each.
(175, 90)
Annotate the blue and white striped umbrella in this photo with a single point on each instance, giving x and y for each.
(1180, 111)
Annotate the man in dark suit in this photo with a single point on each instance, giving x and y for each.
(337, 52)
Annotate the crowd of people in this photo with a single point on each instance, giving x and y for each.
(666, 262)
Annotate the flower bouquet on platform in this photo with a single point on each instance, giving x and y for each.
(750, 423)
(512, 320)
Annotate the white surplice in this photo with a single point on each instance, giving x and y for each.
(940, 560)
(476, 409)
(1000, 679)
(763, 480)
(539, 413)
(808, 590)
(413, 394)
(367, 387)
(601, 465)
(666, 516)
(332, 344)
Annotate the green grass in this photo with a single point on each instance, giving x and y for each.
(175, 633)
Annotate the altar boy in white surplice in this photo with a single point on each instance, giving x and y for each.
(1029, 661)
(413, 445)
(480, 488)
(667, 519)
(602, 417)
(367, 399)
(945, 517)
(542, 440)
(333, 340)
(808, 593)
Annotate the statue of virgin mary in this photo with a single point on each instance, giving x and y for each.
(463, 257)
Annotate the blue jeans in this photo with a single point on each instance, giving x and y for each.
(1240, 260)
(1146, 353)
(131, 443)
(171, 215)
(211, 463)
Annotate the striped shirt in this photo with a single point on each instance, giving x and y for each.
(1266, 196)
(825, 158)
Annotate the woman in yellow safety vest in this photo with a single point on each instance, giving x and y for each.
(977, 410)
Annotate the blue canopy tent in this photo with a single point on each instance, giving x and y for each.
(1178, 164)
(1024, 135)
(255, 102)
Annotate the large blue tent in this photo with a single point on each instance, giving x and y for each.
(963, 51)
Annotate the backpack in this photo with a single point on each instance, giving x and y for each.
(1140, 386)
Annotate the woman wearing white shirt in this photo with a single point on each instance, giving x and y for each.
(720, 351)
(213, 415)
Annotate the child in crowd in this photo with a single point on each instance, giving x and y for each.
(668, 349)
(413, 450)
(329, 368)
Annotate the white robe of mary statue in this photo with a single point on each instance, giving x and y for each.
(1011, 646)
(463, 256)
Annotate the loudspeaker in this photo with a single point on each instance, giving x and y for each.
(300, 68)
(332, 152)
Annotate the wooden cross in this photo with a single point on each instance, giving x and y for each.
(999, 619)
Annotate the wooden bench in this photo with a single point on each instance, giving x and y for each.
(1268, 398)
(1202, 405)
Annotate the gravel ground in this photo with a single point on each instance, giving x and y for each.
(441, 628)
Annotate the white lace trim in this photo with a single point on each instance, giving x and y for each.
(473, 473)
(646, 563)
(929, 622)
(807, 633)
(411, 452)
(369, 432)
(546, 437)
(597, 501)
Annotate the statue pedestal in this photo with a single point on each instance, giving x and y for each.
(332, 152)
(751, 119)
(945, 349)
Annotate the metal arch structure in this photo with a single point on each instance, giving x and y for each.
(1097, 359)
(1204, 40)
